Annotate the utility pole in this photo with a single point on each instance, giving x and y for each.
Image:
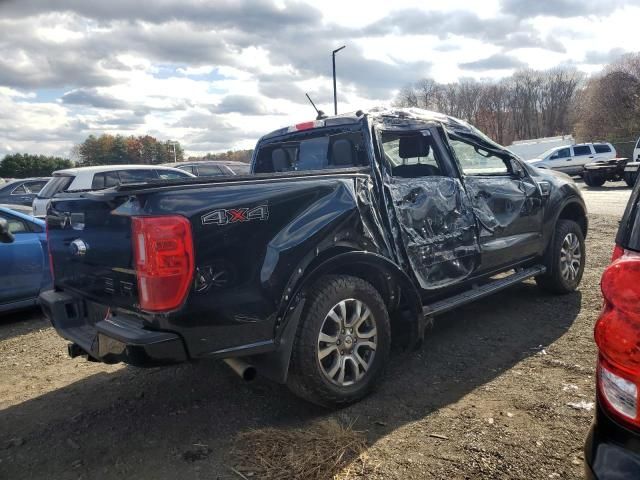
(175, 157)
(335, 94)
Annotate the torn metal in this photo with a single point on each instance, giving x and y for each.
(498, 202)
(438, 229)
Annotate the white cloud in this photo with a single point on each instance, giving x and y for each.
(217, 77)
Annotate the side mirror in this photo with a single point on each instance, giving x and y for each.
(5, 235)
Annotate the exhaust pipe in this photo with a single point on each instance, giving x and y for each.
(243, 369)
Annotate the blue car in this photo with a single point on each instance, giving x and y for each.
(24, 261)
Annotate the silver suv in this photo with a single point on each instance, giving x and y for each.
(572, 159)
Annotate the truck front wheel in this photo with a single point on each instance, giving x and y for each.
(565, 259)
(342, 343)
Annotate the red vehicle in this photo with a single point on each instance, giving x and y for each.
(612, 450)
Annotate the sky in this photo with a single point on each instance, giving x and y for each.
(217, 75)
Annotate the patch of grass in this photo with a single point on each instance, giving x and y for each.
(321, 451)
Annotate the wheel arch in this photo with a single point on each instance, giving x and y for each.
(394, 285)
(574, 210)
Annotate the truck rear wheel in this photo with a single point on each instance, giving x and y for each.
(342, 343)
(594, 179)
(565, 259)
(630, 178)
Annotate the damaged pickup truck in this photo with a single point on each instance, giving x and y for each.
(352, 230)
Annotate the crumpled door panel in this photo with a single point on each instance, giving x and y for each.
(499, 202)
(438, 229)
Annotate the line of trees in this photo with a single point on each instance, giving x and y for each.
(243, 156)
(23, 165)
(116, 149)
(608, 106)
(531, 104)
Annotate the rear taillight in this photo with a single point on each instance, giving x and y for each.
(617, 334)
(163, 260)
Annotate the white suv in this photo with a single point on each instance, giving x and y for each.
(572, 159)
(100, 177)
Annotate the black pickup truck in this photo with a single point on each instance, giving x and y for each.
(352, 230)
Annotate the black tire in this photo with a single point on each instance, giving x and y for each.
(630, 178)
(554, 280)
(593, 179)
(308, 377)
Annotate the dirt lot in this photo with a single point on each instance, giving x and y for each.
(487, 396)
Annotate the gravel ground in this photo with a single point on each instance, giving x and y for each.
(501, 389)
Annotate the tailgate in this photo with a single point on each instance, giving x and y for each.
(91, 250)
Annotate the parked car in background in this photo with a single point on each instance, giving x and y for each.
(98, 178)
(22, 192)
(535, 147)
(24, 261)
(572, 159)
(612, 448)
(212, 168)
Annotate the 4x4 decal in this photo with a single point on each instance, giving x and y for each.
(223, 216)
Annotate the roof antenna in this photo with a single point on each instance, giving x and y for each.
(320, 113)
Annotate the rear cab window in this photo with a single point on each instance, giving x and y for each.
(318, 149)
(57, 184)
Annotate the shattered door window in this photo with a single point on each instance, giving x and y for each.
(474, 160)
(437, 227)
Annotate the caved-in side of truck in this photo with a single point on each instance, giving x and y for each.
(352, 230)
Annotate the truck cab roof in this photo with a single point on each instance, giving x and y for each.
(390, 116)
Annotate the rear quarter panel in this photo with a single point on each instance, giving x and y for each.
(253, 241)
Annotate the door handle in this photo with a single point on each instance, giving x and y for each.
(591, 156)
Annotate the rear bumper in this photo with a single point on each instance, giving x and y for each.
(611, 451)
(110, 338)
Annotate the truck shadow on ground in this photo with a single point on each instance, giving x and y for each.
(142, 422)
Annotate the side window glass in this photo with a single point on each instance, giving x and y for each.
(170, 175)
(111, 179)
(35, 187)
(19, 190)
(474, 160)
(135, 176)
(98, 181)
(411, 155)
(602, 148)
(209, 170)
(562, 153)
(15, 225)
(581, 150)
